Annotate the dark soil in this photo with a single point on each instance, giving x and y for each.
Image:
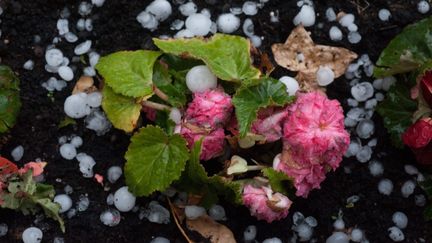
(115, 28)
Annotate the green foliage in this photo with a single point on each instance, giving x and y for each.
(278, 181)
(408, 51)
(24, 194)
(162, 80)
(258, 94)
(227, 56)
(397, 111)
(122, 111)
(154, 160)
(129, 72)
(10, 103)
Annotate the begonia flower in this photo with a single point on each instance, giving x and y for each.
(419, 138)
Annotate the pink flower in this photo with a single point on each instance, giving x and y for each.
(213, 143)
(269, 123)
(37, 167)
(314, 139)
(264, 204)
(99, 178)
(210, 109)
(418, 137)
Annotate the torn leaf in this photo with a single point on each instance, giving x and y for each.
(208, 228)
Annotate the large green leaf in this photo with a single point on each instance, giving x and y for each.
(154, 160)
(129, 72)
(10, 103)
(230, 190)
(227, 56)
(279, 181)
(259, 94)
(162, 80)
(407, 51)
(122, 111)
(397, 111)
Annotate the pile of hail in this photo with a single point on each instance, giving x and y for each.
(215, 125)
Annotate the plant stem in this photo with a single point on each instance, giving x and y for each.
(256, 167)
(160, 94)
(156, 106)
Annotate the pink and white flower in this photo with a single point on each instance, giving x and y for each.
(269, 123)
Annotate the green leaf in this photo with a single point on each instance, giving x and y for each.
(154, 160)
(129, 72)
(397, 111)
(178, 63)
(259, 94)
(122, 111)
(279, 181)
(51, 210)
(162, 80)
(163, 121)
(407, 51)
(230, 190)
(66, 122)
(227, 56)
(10, 103)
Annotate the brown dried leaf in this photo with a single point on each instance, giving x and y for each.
(300, 54)
(84, 84)
(208, 228)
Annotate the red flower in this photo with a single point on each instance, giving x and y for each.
(418, 137)
(426, 87)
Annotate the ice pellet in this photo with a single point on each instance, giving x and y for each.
(194, 212)
(75, 106)
(188, 8)
(76, 141)
(155, 213)
(175, 115)
(354, 37)
(114, 173)
(292, 86)
(362, 91)
(400, 220)
(420, 200)
(365, 128)
(83, 203)
(250, 233)
(147, 20)
(28, 65)
(250, 8)
(272, 240)
(364, 155)
(346, 20)
(376, 168)
(66, 73)
(83, 47)
(71, 37)
(124, 201)
(325, 76)
(3, 229)
(330, 14)
(94, 99)
(62, 26)
(86, 164)
(423, 7)
(217, 212)
(65, 202)
(339, 224)
(199, 24)
(32, 235)
(396, 234)
(85, 8)
(68, 151)
(408, 188)
(98, 3)
(357, 235)
(335, 33)
(411, 170)
(161, 9)
(371, 104)
(304, 231)
(54, 57)
(110, 217)
(338, 237)
(160, 240)
(98, 122)
(385, 186)
(384, 14)
(17, 153)
(200, 78)
(228, 23)
(306, 16)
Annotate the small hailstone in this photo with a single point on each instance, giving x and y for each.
(420, 178)
(32, 235)
(75, 106)
(248, 27)
(362, 91)
(161, 9)
(408, 188)
(155, 213)
(373, 142)
(292, 86)
(177, 24)
(274, 16)
(217, 212)
(400, 220)
(58, 240)
(175, 115)
(354, 37)
(98, 122)
(62, 26)
(325, 76)
(68, 151)
(110, 217)
(357, 235)
(88, 25)
(255, 40)
(411, 170)
(250, 8)
(17, 153)
(3, 229)
(346, 20)
(62, 140)
(352, 102)
(365, 128)
(83, 203)
(98, 3)
(388, 82)
(396, 234)
(160, 240)
(379, 96)
(272, 240)
(94, 99)
(71, 213)
(364, 154)
(80, 25)
(311, 221)
(200, 78)
(420, 200)
(85, 8)
(199, 24)
(206, 12)
(384, 14)
(147, 20)
(385, 186)
(65, 202)
(110, 199)
(423, 7)
(353, 199)
(304, 231)
(186, 33)
(124, 201)
(335, 33)
(188, 8)
(376, 168)
(298, 218)
(93, 58)
(83, 48)
(236, 10)
(71, 37)
(250, 233)
(353, 148)
(371, 104)
(86, 164)
(306, 16)
(114, 173)
(54, 57)
(339, 224)
(28, 65)
(66, 73)
(330, 14)
(193, 212)
(76, 141)
(68, 189)
(89, 71)
(228, 23)
(352, 27)
(338, 237)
